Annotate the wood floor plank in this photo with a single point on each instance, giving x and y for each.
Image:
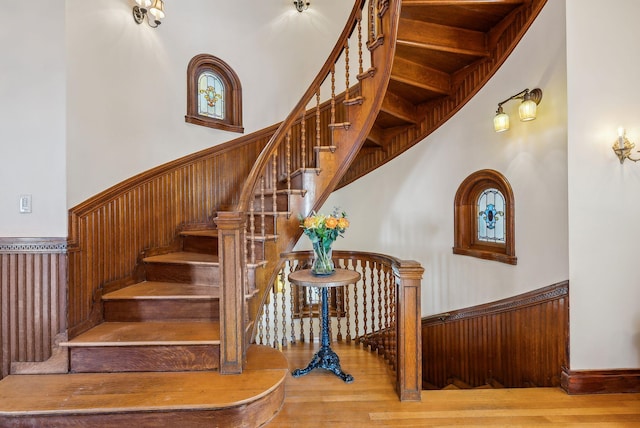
(320, 399)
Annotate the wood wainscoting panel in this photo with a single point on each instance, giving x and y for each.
(517, 342)
(32, 299)
(109, 233)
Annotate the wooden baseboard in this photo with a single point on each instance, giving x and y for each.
(600, 381)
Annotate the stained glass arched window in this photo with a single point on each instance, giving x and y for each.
(211, 95)
(484, 218)
(491, 214)
(214, 94)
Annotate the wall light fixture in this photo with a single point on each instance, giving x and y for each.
(527, 110)
(301, 5)
(622, 146)
(140, 11)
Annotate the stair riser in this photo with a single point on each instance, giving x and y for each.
(200, 244)
(157, 358)
(189, 274)
(161, 310)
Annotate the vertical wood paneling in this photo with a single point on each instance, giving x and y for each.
(107, 233)
(32, 305)
(517, 342)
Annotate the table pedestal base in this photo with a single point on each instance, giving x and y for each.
(326, 359)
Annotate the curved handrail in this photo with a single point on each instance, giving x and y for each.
(279, 136)
(381, 311)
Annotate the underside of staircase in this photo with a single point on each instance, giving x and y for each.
(150, 346)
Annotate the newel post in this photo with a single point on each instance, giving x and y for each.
(231, 226)
(408, 330)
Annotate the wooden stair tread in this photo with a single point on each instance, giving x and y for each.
(164, 290)
(92, 393)
(149, 333)
(207, 233)
(183, 257)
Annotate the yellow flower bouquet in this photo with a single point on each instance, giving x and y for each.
(323, 230)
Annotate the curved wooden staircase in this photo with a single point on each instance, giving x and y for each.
(173, 291)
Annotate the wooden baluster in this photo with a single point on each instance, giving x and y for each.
(276, 333)
(364, 303)
(318, 118)
(252, 233)
(380, 315)
(288, 143)
(262, 206)
(339, 308)
(355, 305)
(284, 308)
(394, 313)
(372, 21)
(300, 293)
(291, 302)
(374, 275)
(303, 140)
(360, 60)
(347, 311)
(346, 70)
(274, 182)
(387, 317)
(261, 327)
(333, 95)
(268, 320)
(310, 306)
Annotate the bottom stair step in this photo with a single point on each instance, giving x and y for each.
(186, 399)
(146, 346)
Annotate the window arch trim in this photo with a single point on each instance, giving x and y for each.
(232, 120)
(466, 240)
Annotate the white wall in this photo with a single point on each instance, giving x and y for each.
(127, 82)
(604, 197)
(32, 116)
(410, 213)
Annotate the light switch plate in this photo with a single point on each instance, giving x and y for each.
(25, 204)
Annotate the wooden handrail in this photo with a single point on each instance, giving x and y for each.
(357, 114)
(278, 137)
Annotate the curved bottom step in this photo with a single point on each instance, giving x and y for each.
(189, 399)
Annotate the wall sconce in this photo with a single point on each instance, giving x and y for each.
(301, 5)
(527, 110)
(622, 147)
(140, 11)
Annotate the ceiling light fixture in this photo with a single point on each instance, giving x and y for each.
(527, 110)
(301, 5)
(140, 11)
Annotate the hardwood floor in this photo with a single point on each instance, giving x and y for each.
(320, 399)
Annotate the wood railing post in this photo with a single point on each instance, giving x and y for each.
(408, 330)
(231, 242)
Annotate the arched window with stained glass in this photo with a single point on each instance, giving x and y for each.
(211, 93)
(491, 215)
(484, 218)
(214, 94)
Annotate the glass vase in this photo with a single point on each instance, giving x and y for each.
(322, 261)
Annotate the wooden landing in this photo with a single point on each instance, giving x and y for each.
(186, 399)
